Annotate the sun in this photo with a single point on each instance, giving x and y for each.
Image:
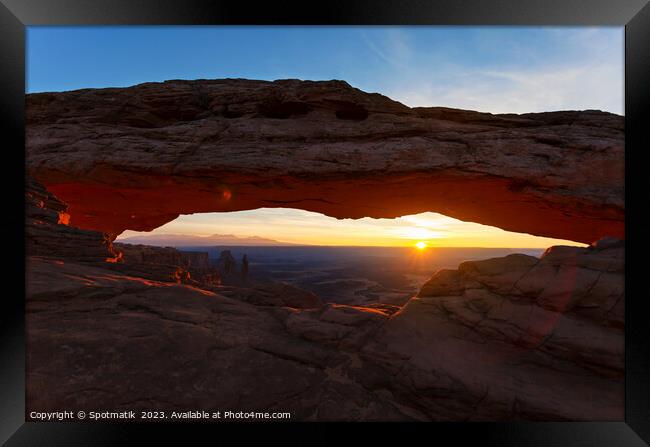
(421, 245)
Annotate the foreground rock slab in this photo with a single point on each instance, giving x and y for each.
(514, 338)
(102, 340)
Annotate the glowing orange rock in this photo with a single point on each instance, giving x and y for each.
(135, 158)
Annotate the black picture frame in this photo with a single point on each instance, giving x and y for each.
(15, 15)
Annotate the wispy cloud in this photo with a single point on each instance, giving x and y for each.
(392, 46)
(573, 70)
(521, 91)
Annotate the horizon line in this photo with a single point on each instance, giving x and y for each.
(289, 245)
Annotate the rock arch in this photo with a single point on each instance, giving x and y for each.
(137, 157)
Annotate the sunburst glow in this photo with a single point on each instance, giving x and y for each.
(309, 228)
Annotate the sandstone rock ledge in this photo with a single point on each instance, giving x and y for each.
(513, 337)
(48, 233)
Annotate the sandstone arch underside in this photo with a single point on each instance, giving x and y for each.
(135, 158)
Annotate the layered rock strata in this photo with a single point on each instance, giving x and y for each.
(514, 337)
(48, 233)
(137, 157)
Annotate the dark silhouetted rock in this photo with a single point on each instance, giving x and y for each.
(226, 263)
(166, 264)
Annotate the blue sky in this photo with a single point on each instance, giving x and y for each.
(493, 69)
